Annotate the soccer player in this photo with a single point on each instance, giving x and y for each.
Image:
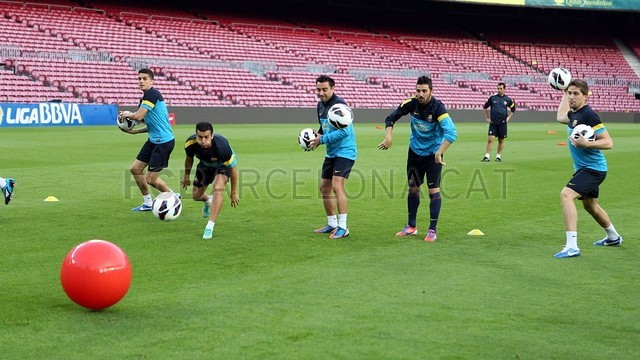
(432, 132)
(590, 168)
(156, 150)
(217, 166)
(338, 162)
(502, 109)
(7, 185)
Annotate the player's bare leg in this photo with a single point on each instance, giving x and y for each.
(487, 154)
(200, 194)
(597, 212)
(329, 202)
(154, 180)
(570, 213)
(328, 197)
(219, 183)
(500, 148)
(338, 189)
(137, 170)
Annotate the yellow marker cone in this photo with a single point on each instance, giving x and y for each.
(51, 198)
(475, 232)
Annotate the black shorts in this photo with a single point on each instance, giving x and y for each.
(419, 166)
(156, 155)
(206, 174)
(498, 130)
(338, 166)
(586, 182)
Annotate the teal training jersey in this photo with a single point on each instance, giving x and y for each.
(430, 125)
(157, 118)
(339, 142)
(583, 157)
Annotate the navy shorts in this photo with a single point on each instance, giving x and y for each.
(498, 130)
(338, 166)
(586, 182)
(419, 166)
(156, 155)
(206, 174)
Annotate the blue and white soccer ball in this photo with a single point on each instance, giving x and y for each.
(167, 206)
(340, 116)
(559, 78)
(125, 123)
(585, 130)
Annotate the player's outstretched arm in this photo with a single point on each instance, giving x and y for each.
(438, 155)
(235, 198)
(186, 180)
(388, 139)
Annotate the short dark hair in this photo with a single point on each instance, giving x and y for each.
(326, 78)
(502, 84)
(425, 80)
(146, 71)
(204, 126)
(580, 84)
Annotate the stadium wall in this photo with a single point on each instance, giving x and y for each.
(192, 115)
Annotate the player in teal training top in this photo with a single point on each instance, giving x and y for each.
(340, 158)
(590, 168)
(432, 132)
(156, 150)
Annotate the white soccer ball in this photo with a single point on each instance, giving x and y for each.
(305, 136)
(125, 123)
(167, 206)
(559, 78)
(340, 116)
(585, 130)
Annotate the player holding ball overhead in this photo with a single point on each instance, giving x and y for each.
(590, 168)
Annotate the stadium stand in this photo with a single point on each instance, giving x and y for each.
(89, 52)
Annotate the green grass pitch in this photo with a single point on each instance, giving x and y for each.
(266, 286)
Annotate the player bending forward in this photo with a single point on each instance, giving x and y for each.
(590, 168)
(217, 166)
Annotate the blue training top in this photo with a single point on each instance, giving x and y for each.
(430, 124)
(157, 118)
(584, 157)
(339, 142)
